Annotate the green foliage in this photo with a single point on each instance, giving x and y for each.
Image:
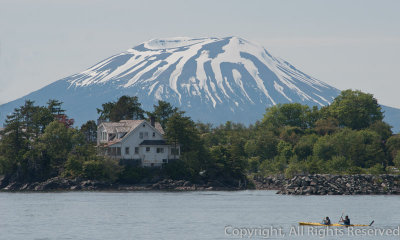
(254, 164)
(304, 147)
(355, 109)
(291, 134)
(383, 129)
(355, 170)
(105, 111)
(56, 141)
(177, 170)
(54, 106)
(326, 126)
(362, 148)
(273, 166)
(393, 145)
(136, 174)
(182, 130)
(338, 165)
(24, 154)
(396, 160)
(347, 137)
(295, 167)
(162, 112)
(101, 169)
(285, 149)
(73, 166)
(229, 165)
(376, 169)
(292, 114)
(5, 165)
(314, 165)
(89, 129)
(126, 108)
(264, 145)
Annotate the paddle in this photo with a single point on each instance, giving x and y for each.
(372, 223)
(341, 217)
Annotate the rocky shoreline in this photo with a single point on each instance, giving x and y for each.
(326, 184)
(64, 184)
(319, 184)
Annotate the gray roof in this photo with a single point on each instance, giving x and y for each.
(125, 126)
(154, 142)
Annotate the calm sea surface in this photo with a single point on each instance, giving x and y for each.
(190, 215)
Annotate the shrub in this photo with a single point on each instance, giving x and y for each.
(135, 174)
(101, 169)
(338, 165)
(294, 168)
(254, 164)
(396, 160)
(73, 167)
(355, 170)
(376, 169)
(273, 166)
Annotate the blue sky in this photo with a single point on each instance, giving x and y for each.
(347, 44)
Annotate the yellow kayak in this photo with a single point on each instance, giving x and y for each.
(334, 224)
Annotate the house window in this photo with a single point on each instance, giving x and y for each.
(165, 161)
(136, 150)
(144, 125)
(147, 149)
(141, 135)
(118, 151)
(174, 151)
(127, 151)
(146, 134)
(154, 134)
(160, 150)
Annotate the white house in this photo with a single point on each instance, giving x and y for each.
(136, 142)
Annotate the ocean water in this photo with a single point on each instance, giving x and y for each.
(192, 215)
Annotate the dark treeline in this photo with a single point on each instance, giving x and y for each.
(346, 137)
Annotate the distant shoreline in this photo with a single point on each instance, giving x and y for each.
(64, 184)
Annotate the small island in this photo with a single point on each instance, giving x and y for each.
(343, 148)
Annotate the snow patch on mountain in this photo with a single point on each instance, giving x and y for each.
(213, 70)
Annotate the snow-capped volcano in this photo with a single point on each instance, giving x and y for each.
(212, 79)
(212, 71)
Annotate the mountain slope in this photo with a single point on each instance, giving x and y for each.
(213, 79)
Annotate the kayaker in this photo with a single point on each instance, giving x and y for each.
(326, 221)
(346, 220)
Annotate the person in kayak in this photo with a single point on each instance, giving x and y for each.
(326, 221)
(345, 221)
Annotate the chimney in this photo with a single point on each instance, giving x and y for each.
(153, 121)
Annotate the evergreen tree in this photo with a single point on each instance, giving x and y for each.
(54, 107)
(182, 130)
(126, 108)
(89, 129)
(162, 112)
(105, 111)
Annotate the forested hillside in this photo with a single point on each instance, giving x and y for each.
(346, 137)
